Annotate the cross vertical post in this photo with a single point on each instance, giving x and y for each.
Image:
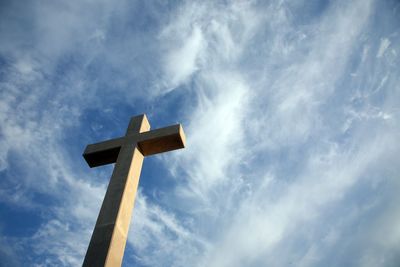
(107, 245)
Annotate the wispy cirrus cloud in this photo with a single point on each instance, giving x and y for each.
(300, 117)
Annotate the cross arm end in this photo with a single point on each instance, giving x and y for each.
(162, 140)
(102, 153)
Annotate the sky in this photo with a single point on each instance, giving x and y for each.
(291, 111)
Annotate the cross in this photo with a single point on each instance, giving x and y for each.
(107, 245)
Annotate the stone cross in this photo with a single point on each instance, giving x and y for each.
(109, 236)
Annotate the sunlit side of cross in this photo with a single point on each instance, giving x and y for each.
(109, 237)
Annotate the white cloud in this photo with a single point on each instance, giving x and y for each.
(382, 47)
(261, 224)
(284, 111)
(157, 234)
(181, 63)
(201, 36)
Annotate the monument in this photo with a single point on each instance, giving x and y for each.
(107, 245)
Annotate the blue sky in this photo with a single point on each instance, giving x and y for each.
(290, 108)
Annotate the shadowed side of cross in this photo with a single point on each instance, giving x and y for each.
(108, 240)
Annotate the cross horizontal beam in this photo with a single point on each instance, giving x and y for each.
(149, 143)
